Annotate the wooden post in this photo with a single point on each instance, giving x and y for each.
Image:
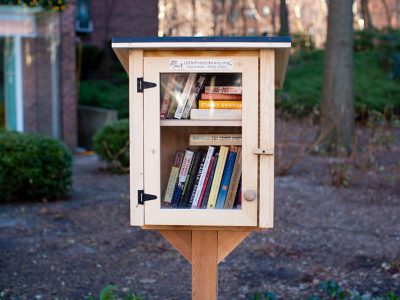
(204, 264)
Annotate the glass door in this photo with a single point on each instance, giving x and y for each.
(200, 131)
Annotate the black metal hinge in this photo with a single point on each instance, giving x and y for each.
(141, 85)
(142, 197)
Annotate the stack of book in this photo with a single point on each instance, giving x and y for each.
(185, 96)
(219, 103)
(205, 178)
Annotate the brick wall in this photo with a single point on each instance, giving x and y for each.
(68, 93)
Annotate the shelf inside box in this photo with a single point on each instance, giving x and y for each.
(213, 123)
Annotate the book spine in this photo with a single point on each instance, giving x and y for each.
(207, 104)
(196, 183)
(233, 186)
(206, 165)
(223, 90)
(206, 96)
(193, 97)
(176, 96)
(216, 114)
(238, 198)
(186, 163)
(185, 96)
(215, 140)
(190, 180)
(223, 152)
(204, 200)
(173, 177)
(226, 177)
(167, 97)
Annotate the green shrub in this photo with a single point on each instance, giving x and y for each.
(33, 167)
(111, 143)
(105, 95)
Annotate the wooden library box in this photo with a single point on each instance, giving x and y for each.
(201, 113)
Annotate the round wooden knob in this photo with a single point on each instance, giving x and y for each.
(250, 195)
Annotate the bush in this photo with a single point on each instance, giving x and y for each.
(111, 143)
(103, 94)
(33, 167)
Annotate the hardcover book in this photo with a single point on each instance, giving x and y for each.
(216, 114)
(220, 104)
(223, 89)
(173, 176)
(167, 96)
(203, 175)
(193, 97)
(233, 186)
(190, 180)
(176, 97)
(226, 177)
(205, 96)
(215, 139)
(196, 182)
(204, 200)
(223, 153)
(183, 172)
(185, 95)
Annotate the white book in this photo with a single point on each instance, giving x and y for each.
(193, 96)
(185, 165)
(185, 95)
(203, 175)
(216, 114)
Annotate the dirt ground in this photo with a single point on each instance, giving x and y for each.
(73, 247)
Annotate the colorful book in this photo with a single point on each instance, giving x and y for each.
(193, 96)
(223, 153)
(205, 96)
(196, 182)
(167, 96)
(202, 178)
(183, 172)
(220, 104)
(204, 200)
(173, 176)
(215, 139)
(226, 177)
(190, 180)
(223, 89)
(233, 186)
(176, 96)
(216, 114)
(185, 95)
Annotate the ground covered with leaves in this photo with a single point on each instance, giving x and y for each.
(349, 233)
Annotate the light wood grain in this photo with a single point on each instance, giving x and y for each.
(204, 265)
(194, 227)
(136, 137)
(181, 240)
(228, 241)
(267, 132)
(199, 53)
(281, 64)
(216, 123)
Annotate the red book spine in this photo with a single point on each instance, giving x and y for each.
(205, 182)
(220, 97)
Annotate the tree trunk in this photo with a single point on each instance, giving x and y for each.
(337, 111)
(284, 18)
(194, 18)
(366, 15)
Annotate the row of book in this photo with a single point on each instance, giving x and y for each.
(205, 179)
(187, 96)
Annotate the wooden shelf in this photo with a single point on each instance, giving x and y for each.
(213, 123)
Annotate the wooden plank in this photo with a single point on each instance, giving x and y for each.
(178, 227)
(123, 57)
(267, 129)
(204, 265)
(220, 123)
(181, 240)
(199, 53)
(228, 241)
(281, 63)
(136, 136)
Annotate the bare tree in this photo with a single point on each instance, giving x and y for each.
(337, 111)
(284, 18)
(194, 18)
(368, 24)
(387, 13)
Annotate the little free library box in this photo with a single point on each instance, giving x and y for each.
(201, 115)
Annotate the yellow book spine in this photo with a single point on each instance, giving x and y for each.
(207, 104)
(219, 169)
